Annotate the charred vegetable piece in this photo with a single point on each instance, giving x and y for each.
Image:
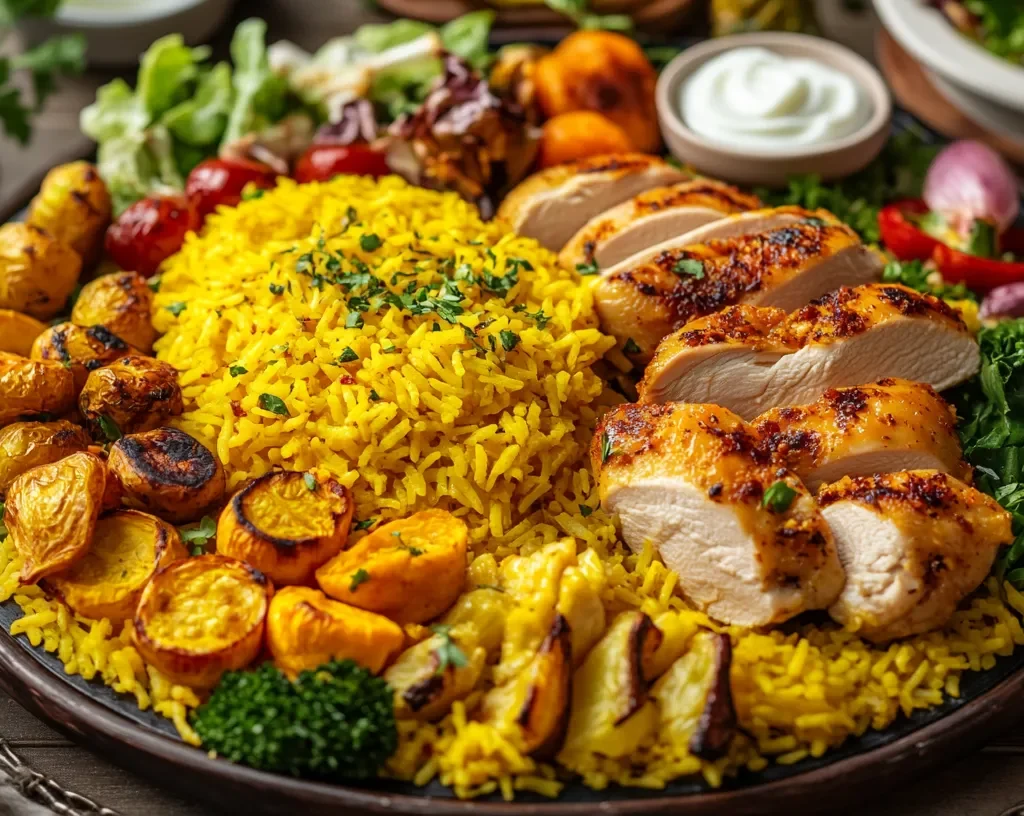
(169, 473)
(17, 331)
(579, 601)
(37, 272)
(201, 617)
(31, 387)
(485, 608)
(149, 232)
(123, 303)
(307, 629)
(51, 512)
(73, 205)
(25, 445)
(130, 395)
(127, 549)
(79, 349)
(285, 529)
(410, 570)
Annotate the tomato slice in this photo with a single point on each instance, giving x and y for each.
(325, 161)
(150, 231)
(220, 181)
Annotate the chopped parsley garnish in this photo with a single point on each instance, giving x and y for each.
(280, 348)
(277, 289)
(365, 524)
(309, 480)
(778, 497)
(586, 510)
(814, 221)
(347, 356)
(370, 242)
(606, 448)
(588, 268)
(631, 347)
(689, 266)
(354, 320)
(500, 285)
(374, 396)
(448, 651)
(154, 283)
(268, 402)
(509, 339)
(199, 536)
(238, 370)
(177, 307)
(359, 577)
(109, 428)
(537, 317)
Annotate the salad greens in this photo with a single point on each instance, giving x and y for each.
(915, 275)
(997, 25)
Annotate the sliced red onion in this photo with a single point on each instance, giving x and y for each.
(1004, 301)
(969, 181)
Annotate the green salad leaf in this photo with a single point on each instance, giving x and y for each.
(377, 37)
(166, 73)
(915, 275)
(202, 119)
(260, 95)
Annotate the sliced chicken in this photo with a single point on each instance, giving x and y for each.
(914, 545)
(785, 267)
(553, 204)
(890, 426)
(750, 360)
(744, 535)
(651, 218)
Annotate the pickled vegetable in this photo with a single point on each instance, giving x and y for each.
(25, 445)
(37, 272)
(73, 205)
(123, 303)
(78, 349)
(17, 331)
(33, 387)
(130, 395)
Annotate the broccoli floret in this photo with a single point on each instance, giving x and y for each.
(337, 722)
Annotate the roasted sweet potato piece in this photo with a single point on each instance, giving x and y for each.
(30, 387)
(80, 349)
(25, 445)
(307, 629)
(123, 302)
(286, 524)
(167, 472)
(17, 331)
(201, 617)
(128, 547)
(132, 394)
(52, 511)
(411, 570)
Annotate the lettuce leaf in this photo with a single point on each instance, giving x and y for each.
(261, 97)
(116, 112)
(377, 37)
(167, 72)
(135, 165)
(201, 120)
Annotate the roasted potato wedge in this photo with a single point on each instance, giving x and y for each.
(52, 511)
(123, 302)
(485, 609)
(73, 205)
(37, 272)
(307, 629)
(135, 393)
(128, 547)
(79, 349)
(286, 525)
(25, 445)
(18, 331)
(201, 617)
(33, 387)
(167, 472)
(411, 570)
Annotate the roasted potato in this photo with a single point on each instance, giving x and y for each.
(73, 205)
(17, 331)
(128, 547)
(37, 272)
(123, 302)
(307, 629)
(31, 387)
(411, 570)
(25, 445)
(201, 617)
(52, 511)
(135, 393)
(286, 524)
(79, 349)
(167, 472)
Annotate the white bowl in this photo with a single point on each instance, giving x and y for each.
(932, 40)
(118, 31)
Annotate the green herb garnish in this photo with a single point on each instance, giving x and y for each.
(631, 347)
(586, 510)
(347, 356)
(359, 577)
(109, 428)
(354, 320)
(269, 402)
(778, 497)
(237, 370)
(588, 268)
(448, 651)
(509, 339)
(177, 307)
(365, 524)
(309, 480)
(689, 266)
(370, 242)
(277, 288)
(606, 448)
(199, 536)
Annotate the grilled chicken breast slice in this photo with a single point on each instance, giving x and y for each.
(785, 267)
(651, 218)
(751, 360)
(553, 204)
(889, 426)
(913, 545)
(690, 479)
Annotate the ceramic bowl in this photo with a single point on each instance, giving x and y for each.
(832, 160)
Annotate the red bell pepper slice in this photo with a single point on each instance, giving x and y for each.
(901, 236)
(976, 273)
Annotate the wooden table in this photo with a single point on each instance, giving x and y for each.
(987, 783)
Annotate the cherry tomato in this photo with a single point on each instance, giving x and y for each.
(325, 161)
(218, 181)
(150, 231)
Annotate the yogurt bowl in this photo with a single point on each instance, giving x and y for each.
(807, 106)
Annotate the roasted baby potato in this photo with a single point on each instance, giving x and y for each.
(411, 570)
(30, 387)
(167, 472)
(128, 547)
(52, 511)
(73, 205)
(286, 525)
(25, 445)
(123, 302)
(79, 349)
(37, 272)
(17, 331)
(307, 629)
(135, 393)
(201, 617)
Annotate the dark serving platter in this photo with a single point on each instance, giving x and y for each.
(862, 767)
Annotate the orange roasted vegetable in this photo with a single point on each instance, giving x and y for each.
(411, 570)
(132, 394)
(29, 387)
(604, 72)
(79, 349)
(123, 302)
(25, 445)
(201, 617)
(74, 206)
(51, 512)
(579, 135)
(286, 524)
(307, 629)
(37, 272)
(128, 547)
(17, 331)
